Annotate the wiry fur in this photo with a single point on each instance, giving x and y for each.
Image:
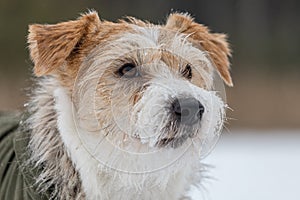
(47, 151)
(90, 128)
(214, 43)
(48, 154)
(107, 173)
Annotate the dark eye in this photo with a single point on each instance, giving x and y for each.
(128, 70)
(187, 72)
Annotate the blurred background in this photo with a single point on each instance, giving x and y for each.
(265, 38)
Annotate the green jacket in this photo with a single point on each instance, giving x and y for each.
(16, 180)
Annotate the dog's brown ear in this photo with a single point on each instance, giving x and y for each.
(50, 45)
(215, 44)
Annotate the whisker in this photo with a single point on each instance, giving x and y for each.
(98, 143)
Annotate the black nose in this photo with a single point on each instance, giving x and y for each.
(188, 110)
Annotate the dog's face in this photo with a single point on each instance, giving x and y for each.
(139, 85)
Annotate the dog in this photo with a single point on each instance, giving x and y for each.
(121, 110)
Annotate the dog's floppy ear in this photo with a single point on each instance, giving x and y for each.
(50, 45)
(215, 44)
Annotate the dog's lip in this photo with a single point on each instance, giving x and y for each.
(167, 139)
(164, 142)
(172, 142)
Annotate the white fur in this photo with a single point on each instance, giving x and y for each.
(100, 182)
(108, 172)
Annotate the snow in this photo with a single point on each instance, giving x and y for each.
(252, 165)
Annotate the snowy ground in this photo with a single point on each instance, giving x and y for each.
(254, 166)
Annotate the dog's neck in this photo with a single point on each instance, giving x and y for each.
(47, 150)
(70, 171)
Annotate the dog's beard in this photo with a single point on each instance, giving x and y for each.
(154, 124)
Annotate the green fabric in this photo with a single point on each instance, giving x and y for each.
(16, 182)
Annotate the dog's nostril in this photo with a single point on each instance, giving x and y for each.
(187, 110)
(201, 111)
(176, 107)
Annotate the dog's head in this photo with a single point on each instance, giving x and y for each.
(137, 84)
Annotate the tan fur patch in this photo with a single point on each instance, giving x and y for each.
(51, 45)
(60, 49)
(215, 44)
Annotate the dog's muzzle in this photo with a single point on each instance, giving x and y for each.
(187, 111)
(186, 114)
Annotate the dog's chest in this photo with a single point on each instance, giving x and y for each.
(119, 188)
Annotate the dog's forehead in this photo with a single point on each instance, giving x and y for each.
(161, 38)
(135, 37)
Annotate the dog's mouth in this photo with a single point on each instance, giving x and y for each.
(172, 142)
